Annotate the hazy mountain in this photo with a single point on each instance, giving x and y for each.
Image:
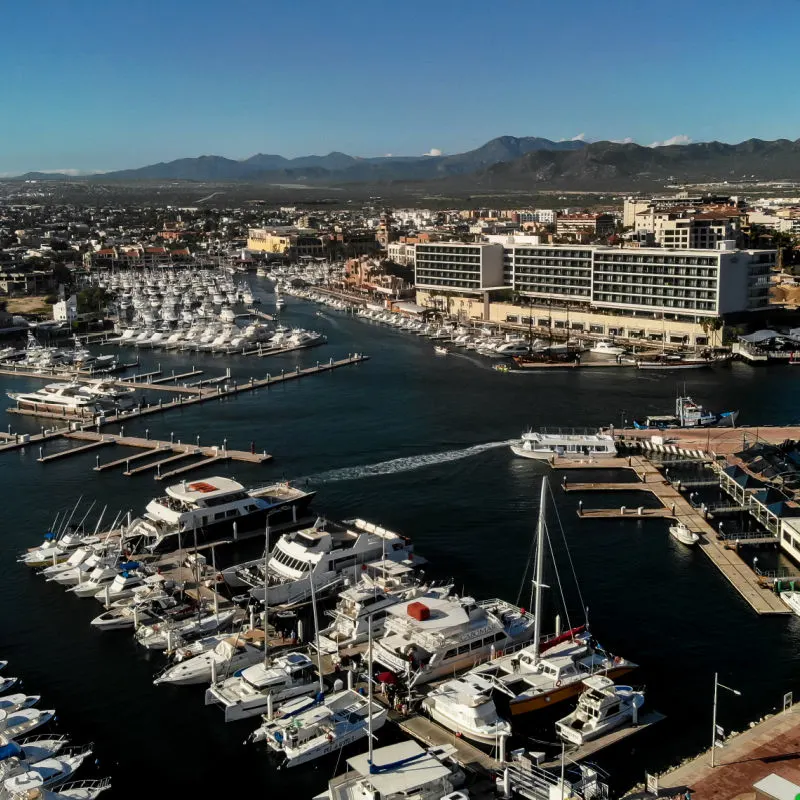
(338, 167)
(609, 165)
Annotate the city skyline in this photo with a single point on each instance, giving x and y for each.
(105, 88)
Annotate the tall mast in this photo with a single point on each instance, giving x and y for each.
(537, 584)
(369, 689)
(266, 597)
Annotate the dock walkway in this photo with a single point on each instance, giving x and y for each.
(729, 563)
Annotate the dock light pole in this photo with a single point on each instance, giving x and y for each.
(717, 687)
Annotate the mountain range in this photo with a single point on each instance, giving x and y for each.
(507, 162)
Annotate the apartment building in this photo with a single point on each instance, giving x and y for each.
(401, 253)
(705, 227)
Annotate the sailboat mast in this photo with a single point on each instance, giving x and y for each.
(266, 597)
(316, 631)
(369, 690)
(538, 585)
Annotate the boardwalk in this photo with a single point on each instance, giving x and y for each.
(770, 747)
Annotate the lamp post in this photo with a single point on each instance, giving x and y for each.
(717, 687)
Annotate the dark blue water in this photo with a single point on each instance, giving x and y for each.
(416, 443)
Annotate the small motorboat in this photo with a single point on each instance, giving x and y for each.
(440, 351)
(602, 707)
(683, 534)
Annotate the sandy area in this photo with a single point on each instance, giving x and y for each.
(28, 305)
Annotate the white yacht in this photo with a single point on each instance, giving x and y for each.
(100, 577)
(23, 721)
(682, 533)
(792, 599)
(215, 507)
(436, 637)
(232, 654)
(510, 349)
(14, 702)
(339, 720)
(605, 347)
(67, 397)
(602, 707)
(262, 687)
(120, 396)
(128, 617)
(7, 683)
(322, 555)
(395, 772)
(465, 706)
(368, 601)
(544, 445)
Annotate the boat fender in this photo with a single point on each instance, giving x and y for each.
(558, 683)
(330, 737)
(219, 577)
(617, 660)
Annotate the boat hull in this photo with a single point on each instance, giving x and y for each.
(525, 705)
(436, 714)
(535, 455)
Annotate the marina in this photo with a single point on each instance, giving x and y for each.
(334, 476)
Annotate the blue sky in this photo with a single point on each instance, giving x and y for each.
(92, 85)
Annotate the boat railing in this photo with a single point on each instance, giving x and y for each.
(97, 785)
(566, 431)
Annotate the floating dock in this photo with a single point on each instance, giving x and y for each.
(677, 508)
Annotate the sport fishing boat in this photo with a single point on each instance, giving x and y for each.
(326, 727)
(317, 559)
(602, 707)
(689, 414)
(433, 637)
(172, 632)
(548, 671)
(213, 508)
(262, 687)
(544, 445)
(465, 706)
(684, 534)
(150, 612)
(605, 347)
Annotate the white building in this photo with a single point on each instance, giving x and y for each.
(66, 310)
(401, 253)
(462, 266)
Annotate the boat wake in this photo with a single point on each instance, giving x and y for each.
(404, 464)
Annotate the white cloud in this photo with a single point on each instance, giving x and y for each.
(681, 138)
(434, 151)
(581, 137)
(626, 140)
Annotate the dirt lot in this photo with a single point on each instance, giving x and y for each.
(28, 305)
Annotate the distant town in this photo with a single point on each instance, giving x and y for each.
(676, 270)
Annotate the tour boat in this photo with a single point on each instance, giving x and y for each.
(683, 534)
(262, 687)
(317, 559)
(212, 508)
(465, 706)
(232, 654)
(602, 707)
(545, 445)
(402, 770)
(434, 637)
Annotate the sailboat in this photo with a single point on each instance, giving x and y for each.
(547, 672)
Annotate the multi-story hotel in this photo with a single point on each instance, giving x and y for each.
(636, 293)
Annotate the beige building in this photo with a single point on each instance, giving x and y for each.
(267, 241)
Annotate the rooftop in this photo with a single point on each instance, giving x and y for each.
(209, 487)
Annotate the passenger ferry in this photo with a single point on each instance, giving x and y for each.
(432, 637)
(544, 445)
(214, 507)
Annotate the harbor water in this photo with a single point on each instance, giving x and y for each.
(419, 444)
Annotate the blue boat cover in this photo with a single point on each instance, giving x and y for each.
(129, 565)
(10, 750)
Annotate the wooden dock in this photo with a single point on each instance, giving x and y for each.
(430, 734)
(198, 395)
(595, 746)
(729, 563)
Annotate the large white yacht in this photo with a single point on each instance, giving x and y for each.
(435, 637)
(384, 583)
(211, 507)
(322, 555)
(544, 445)
(262, 687)
(69, 397)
